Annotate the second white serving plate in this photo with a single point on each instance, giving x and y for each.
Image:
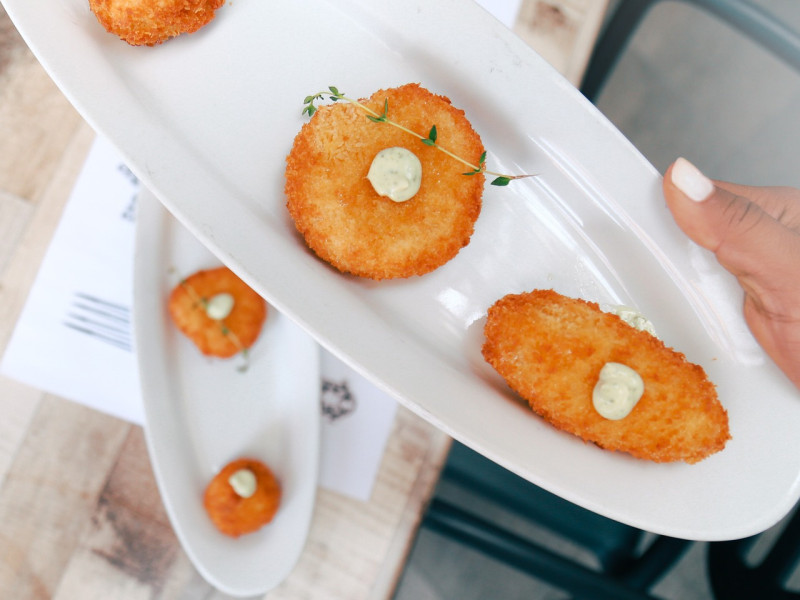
(202, 413)
(206, 122)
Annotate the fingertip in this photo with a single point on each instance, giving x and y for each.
(690, 181)
(691, 215)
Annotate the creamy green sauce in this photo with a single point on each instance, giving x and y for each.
(395, 173)
(243, 483)
(220, 306)
(632, 317)
(617, 391)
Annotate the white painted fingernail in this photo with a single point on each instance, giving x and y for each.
(688, 179)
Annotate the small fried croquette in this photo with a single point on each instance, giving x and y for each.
(233, 514)
(550, 349)
(344, 220)
(192, 303)
(151, 22)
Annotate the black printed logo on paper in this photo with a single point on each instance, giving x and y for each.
(336, 400)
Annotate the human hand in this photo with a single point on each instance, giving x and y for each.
(755, 234)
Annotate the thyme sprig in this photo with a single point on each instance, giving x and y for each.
(334, 95)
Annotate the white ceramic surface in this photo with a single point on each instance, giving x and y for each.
(201, 413)
(206, 121)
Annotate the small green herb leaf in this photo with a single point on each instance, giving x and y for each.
(432, 134)
(431, 139)
(501, 181)
(474, 171)
(384, 117)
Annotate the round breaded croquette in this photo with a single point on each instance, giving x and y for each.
(224, 337)
(151, 22)
(344, 220)
(550, 348)
(235, 515)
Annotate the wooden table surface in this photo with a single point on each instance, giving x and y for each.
(80, 513)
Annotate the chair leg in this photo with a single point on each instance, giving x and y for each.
(656, 561)
(614, 39)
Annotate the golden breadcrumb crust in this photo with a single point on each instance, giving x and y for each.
(234, 515)
(550, 349)
(234, 333)
(346, 223)
(151, 22)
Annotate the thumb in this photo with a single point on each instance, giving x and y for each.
(760, 250)
(748, 241)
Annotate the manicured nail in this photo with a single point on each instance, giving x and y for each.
(688, 179)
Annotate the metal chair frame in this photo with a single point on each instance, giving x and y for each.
(751, 20)
(625, 572)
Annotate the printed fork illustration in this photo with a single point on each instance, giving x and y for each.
(106, 321)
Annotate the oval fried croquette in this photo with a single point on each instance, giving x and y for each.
(234, 515)
(346, 223)
(151, 22)
(550, 348)
(217, 337)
